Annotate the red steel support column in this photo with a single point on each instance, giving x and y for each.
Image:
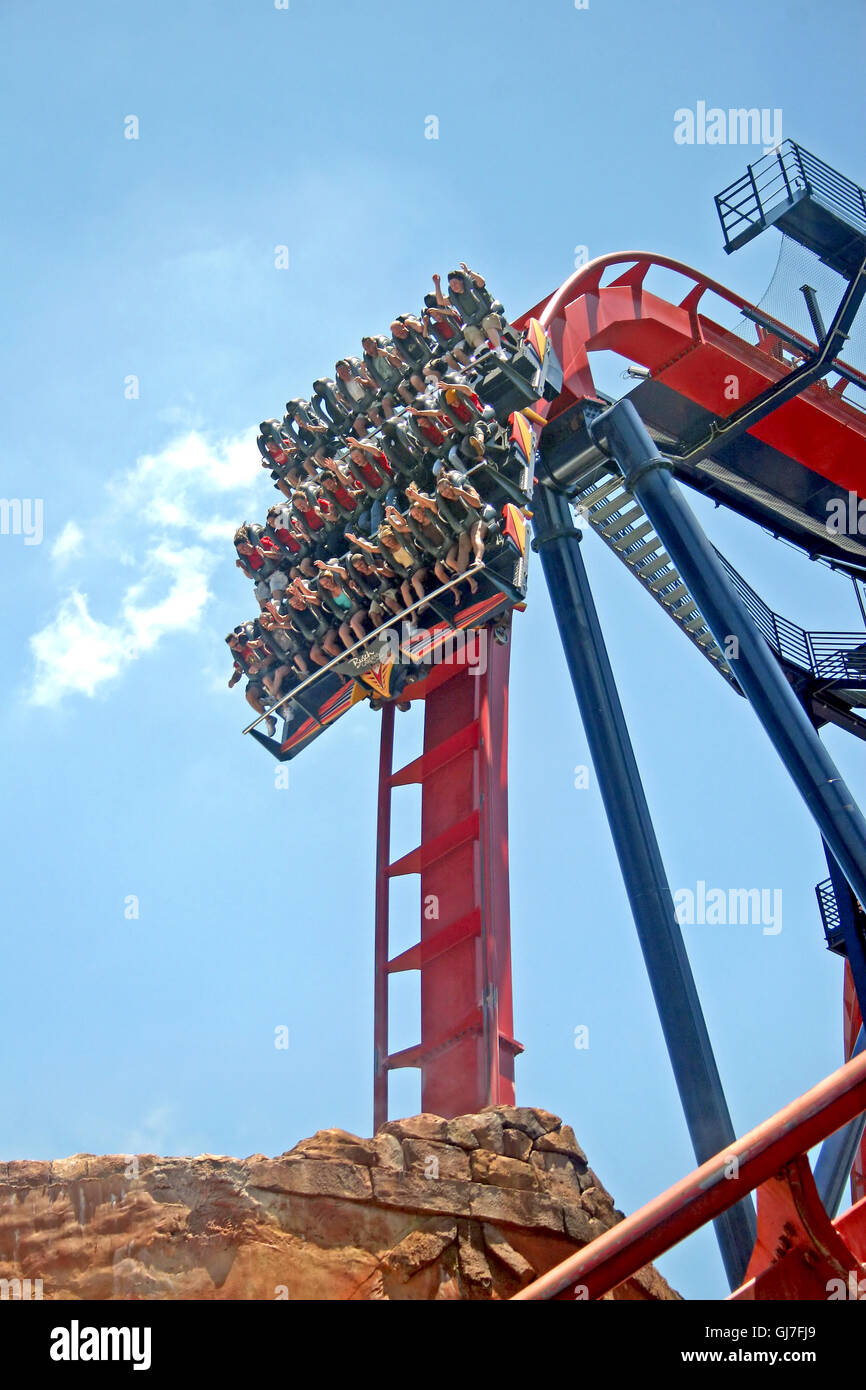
(466, 1053)
(383, 883)
(496, 899)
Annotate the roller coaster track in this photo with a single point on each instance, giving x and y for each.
(755, 427)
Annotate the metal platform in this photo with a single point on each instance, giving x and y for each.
(799, 194)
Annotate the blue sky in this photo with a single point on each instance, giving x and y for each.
(125, 772)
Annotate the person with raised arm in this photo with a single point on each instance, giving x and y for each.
(334, 587)
(431, 536)
(324, 645)
(473, 520)
(443, 323)
(251, 660)
(482, 316)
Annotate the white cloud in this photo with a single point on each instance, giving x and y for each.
(73, 653)
(68, 544)
(179, 610)
(161, 512)
(174, 488)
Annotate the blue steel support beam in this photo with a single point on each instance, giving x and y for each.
(667, 963)
(621, 434)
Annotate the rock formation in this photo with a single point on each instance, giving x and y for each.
(473, 1207)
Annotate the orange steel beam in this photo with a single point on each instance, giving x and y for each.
(752, 1160)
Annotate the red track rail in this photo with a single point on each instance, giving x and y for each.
(695, 357)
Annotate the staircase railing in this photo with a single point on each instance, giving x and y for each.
(829, 656)
(830, 919)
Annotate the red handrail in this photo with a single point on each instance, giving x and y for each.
(587, 279)
(710, 1189)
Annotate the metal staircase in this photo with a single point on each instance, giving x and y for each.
(828, 667)
(614, 513)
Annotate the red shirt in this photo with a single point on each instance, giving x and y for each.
(459, 406)
(311, 519)
(430, 428)
(344, 497)
(287, 539)
(374, 478)
(442, 329)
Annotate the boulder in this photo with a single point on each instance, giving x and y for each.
(417, 1127)
(502, 1172)
(429, 1209)
(336, 1143)
(433, 1160)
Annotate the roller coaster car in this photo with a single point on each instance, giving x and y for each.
(398, 659)
(531, 372)
(509, 476)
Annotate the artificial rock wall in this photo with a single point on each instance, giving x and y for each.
(473, 1207)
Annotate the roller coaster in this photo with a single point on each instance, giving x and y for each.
(768, 421)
